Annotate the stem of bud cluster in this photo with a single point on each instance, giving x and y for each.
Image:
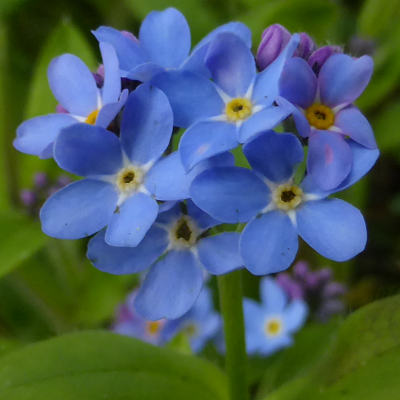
(231, 302)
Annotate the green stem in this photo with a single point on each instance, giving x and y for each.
(230, 293)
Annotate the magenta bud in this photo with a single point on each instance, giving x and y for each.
(40, 179)
(306, 46)
(130, 36)
(273, 40)
(319, 56)
(28, 198)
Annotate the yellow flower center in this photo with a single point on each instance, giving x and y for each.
(320, 116)
(92, 117)
(183, 233)
(129, 178)
(153, 327)
(238, 109)
(273, 327)
(287, 197)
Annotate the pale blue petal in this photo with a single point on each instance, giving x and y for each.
(112, 80)
(272, 296)
(295, 315)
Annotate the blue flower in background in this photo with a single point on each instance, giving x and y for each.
(74, 87)
(130, 323)
(324, 113)
(164, 44)
(271, 324)
(118, 171)
(174, 281)
(201, 323)
(278, 209)
(231, 109)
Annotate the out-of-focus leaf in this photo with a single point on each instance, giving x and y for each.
(100, 365)
(200, 14)
(377, 17)
(20, 237)
(362, 363)
(316, 17)
(7, 6)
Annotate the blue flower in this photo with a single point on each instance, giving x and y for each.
(231, 109)
(324, 113)
(271, 324)
(164, 44)
(74, 87)
(177, 251)
(201, 323)
(130, 323)
(121, 174)
(278, 209)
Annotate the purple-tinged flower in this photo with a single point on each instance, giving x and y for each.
(319, 57)
(306, 46)
(271, 324)
(178, 255)
(324, 113)
(121, 174)
(163, 45)
(236, 106)
(278, 209)
(200, 324)
(130, 323)
(74, 87)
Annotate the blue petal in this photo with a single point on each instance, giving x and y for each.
(88, 150)
(129, 53)
(230, 194)
(144, 72)
(343, 78)
(266, 88)
(353, 124)
(272, 345)
(268, 243)
(273, 297)
(192, 96)
(295, 315)
(131, 222)
(302, 124)
(171, 213)
(329, 159)
(206, 139)
(208, 328)
(165, 35)
(254, 318)
(231, 64)
(109, 111)
(73, 84)
(112, 79)
(333, 228)
(202, 219)
(78, 210)
(261, 121)
(146, 124)
(168, 180)
(37, 134)
(220, 253)
(171, 286)
(274, 155)
(127, 260)
(298, 83)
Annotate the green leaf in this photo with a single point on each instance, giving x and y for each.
(20, 238)
(362, 363)
(101, 365)
(376, 20)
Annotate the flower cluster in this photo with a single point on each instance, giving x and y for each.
(154, 207)
(316, 288)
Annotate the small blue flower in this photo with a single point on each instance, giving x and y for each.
(177, 253)
(164, 45)
(231, 109)
(324, 113)
(74, 86)
(201, 323)
(271, 324)
(130, 323)
(278, 209)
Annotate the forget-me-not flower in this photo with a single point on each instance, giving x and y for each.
(74, 86)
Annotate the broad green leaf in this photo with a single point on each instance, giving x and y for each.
(377, 18)
(362, 363)
(101, 365)
(20, 237)
(316, 17)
